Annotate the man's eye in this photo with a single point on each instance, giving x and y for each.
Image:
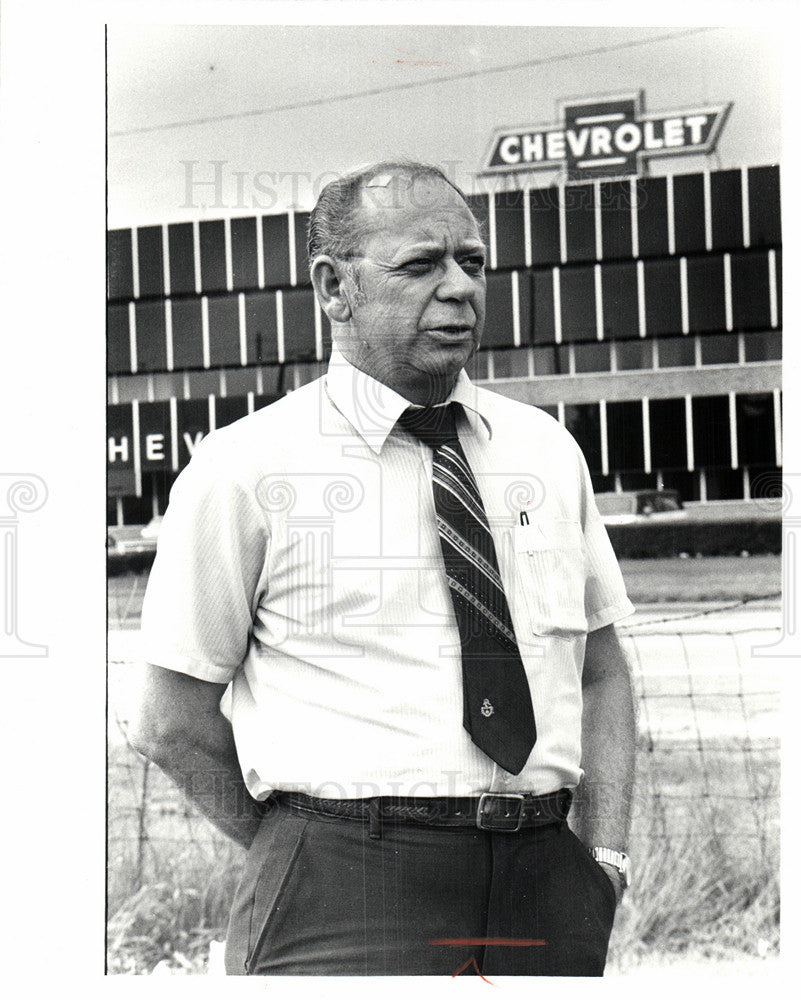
(419, 264)
(473, 265)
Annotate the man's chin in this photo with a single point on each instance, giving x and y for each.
(435, 377)
(450, 367)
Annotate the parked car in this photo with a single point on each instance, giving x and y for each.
(132, 539)
(638, 506)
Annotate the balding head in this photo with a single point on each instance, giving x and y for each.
(338, 222)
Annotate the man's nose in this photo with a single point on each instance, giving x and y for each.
(455, 283)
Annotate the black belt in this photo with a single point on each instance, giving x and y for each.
(502, 812)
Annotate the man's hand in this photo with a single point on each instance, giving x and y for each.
(616, 879)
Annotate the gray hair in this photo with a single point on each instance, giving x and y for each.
(334, 227)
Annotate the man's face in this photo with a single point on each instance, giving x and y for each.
(418, 312)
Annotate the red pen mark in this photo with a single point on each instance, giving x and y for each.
(479, 942)
(471, 961)
(497, 942)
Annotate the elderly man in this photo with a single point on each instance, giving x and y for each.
(380, 641)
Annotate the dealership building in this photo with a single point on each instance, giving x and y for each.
(633, 291)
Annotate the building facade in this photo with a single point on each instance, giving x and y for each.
(643, 312)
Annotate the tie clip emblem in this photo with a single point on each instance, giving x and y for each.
(486, 708)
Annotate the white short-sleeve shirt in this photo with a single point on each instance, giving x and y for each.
(299, 560)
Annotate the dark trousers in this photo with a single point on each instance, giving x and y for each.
(319, 896)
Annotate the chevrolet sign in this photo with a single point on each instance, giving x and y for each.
(605, 138)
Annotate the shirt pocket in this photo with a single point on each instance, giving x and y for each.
(551, 562)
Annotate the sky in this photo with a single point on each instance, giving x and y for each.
(241, 105)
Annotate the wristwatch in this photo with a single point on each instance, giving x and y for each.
(616, 859)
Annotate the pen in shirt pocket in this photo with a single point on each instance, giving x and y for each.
(524, 513)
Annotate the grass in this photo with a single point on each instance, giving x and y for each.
(708, 578)
(688, 900)
(171, 875)
(706, 871)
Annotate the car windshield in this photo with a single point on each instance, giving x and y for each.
(658, 503)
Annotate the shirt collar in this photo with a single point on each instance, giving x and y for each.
(373, 408)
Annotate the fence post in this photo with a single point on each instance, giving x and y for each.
(142, 831)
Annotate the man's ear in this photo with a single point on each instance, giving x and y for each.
(328, 279)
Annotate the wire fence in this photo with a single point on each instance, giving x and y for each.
(709, 725)
(707, 765)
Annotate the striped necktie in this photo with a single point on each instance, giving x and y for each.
(498, 713)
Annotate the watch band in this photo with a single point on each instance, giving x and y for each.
(617, 859)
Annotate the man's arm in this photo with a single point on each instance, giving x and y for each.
(179, 726)
(608, 734)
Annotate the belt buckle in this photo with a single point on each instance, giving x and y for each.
(501, 824)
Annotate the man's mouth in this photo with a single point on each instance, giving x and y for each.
(455, 330)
